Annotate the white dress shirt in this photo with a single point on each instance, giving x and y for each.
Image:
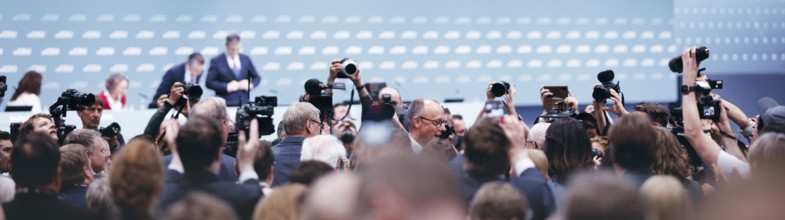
(188, 77)
(116, 105)
(234, 63)
(27, 99)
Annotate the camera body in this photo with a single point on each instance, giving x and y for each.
(110, 131)
(596, 152)
(348, 68)
(559, 111)
(192, 92)
(74, 100)
(262, 109)
(708, 107)
(448, 130)
(498, 89)
(603, 92)
(3, 86)
(676, 65)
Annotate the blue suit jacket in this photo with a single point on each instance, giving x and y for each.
(174, 74)
(75, 195)
(242, 197)
(287, 157)
(227, 167)
(220, 74)
(530, 183)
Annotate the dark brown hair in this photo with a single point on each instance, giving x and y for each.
(656, 112)
(31, 82)
(671, 158)
(485, 149)
(632, 140)
(568, 148)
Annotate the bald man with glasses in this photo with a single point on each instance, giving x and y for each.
(427, 122)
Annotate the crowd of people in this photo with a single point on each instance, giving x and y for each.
(421, 162)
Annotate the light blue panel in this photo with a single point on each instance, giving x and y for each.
(440, 49)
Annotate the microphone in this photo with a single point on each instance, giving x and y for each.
(314, 87)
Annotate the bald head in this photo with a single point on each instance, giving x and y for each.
(395, 96)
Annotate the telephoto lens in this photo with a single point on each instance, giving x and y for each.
(701, 53)
(500, 88)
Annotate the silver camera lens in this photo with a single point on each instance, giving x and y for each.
(349, 67)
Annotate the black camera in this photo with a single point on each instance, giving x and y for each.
(110, 131)
(348, 68)
(192, 92)
(603, 92)
(449, 130)
(73, 100)
(676, 65)
(15, 131)
(559, 111)
(3, 86)
(262, 109)
(596, 152)
(500, 88)
(708, 107)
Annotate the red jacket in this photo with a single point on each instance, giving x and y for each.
(104, 99)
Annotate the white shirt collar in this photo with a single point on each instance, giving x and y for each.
(116, 105)
(188, 76)
(233, 62)
(416, 147)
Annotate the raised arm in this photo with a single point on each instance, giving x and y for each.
(706, 148)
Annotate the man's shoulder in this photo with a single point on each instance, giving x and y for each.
(49, 209)
(218, 58)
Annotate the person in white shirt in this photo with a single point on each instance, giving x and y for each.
(27, 92)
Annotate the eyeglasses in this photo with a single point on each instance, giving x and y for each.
(436, 123)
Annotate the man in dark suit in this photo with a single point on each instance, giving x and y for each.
(229, 72)
(491, 147)
(188, 72)
(200, 159)
(34, 167)
(77, 174)
(300, 121)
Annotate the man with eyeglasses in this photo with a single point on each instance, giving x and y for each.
(426, 117)
(91, 118)
(300, 121)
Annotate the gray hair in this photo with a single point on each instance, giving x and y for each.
(212, 107)
(114, 79)
(326, 148)
(86, 137)
(297, 115)
(99, 198)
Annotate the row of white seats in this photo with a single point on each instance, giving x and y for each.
(354, 19)
(357, 50)
(360, 35)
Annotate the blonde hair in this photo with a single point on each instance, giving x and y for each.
(284, 203)
(325, 148)
(668, 197)
(767, 153)
(136, 178)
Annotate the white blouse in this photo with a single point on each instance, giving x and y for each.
(27, 99)
(116, 105)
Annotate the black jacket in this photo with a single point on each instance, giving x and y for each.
(241, 197)
(44, 206)
(530, 183)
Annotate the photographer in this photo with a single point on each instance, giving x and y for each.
(509, 105)
(601, 112)
(91, 118)
(165, 104)
(709, 151)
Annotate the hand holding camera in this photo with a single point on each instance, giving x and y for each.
(175, 93)
(690, 66)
